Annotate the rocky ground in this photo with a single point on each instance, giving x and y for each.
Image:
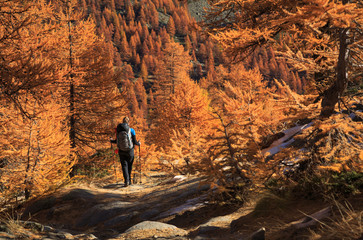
(162, 207)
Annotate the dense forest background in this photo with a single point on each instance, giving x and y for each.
(204, 96)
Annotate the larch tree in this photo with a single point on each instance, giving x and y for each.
(246, 110)
(125, 49)
(176, 19)
(23, 44)
(154, 16)
(170, 27)
(202, 52)
(143, 70)
(182, 123)
(34, 150)
(88, 81)
(141, 96)
(130, 15)
(188, 43)
(170, 72)
(322, 37)
(175, 63)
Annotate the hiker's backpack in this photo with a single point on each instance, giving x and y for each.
(124, 141)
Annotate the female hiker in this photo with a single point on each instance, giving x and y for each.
(126, 140)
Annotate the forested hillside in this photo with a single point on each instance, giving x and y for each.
(252, 95)
(140, 31)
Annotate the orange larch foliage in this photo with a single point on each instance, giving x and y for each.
(69, 101)
(143, 70)
(141, 97)
(188, 44)
(329, 145)
(314, 36)
(88, 80)
(170, 27)
(34, 152)
(174, 65)
(182, 123)
(24, 45)
(246, 110)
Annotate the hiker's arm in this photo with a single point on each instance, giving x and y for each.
(114, 140)
(133, 136)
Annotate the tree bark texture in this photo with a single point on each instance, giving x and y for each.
(334, 92)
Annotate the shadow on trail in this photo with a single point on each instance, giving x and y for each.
(111, 208)
(114, 186)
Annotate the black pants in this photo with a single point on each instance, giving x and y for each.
(127, 159)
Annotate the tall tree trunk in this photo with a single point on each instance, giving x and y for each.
(334, 92)
(27, 181)
(72, 121)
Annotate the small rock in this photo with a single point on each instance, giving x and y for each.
(60, 235)
(48, 229)
(32, 225)
(86, 237)
(207, 229)
(66, 235)
(259, 234)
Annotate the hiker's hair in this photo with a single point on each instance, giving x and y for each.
(126, 120)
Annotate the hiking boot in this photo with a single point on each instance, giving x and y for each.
(129, 182)
(126, 184)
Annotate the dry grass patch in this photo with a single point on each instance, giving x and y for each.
(345, 224)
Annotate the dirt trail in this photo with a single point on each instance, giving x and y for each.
(108, 210)
(162, 207)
